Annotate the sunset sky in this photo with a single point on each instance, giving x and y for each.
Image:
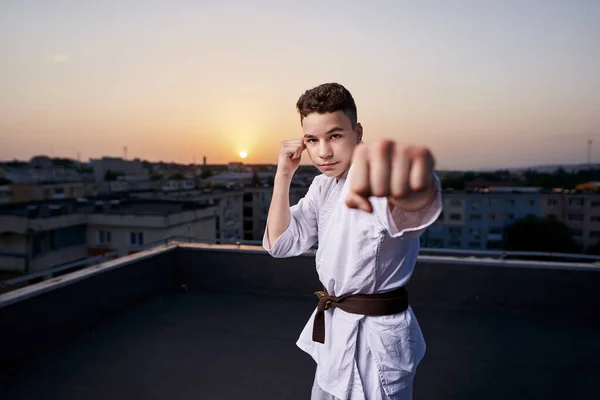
(483, 83)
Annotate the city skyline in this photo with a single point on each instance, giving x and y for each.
(484, 85)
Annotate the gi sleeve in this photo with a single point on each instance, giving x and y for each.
(408, 225)
(302, 231)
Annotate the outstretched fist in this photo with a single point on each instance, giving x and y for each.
(403, 174)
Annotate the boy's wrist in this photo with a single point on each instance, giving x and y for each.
(283, 178)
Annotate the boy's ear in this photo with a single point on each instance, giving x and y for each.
(359, 132)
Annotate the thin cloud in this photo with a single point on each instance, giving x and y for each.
(59, 58)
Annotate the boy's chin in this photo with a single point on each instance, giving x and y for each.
(331, 173)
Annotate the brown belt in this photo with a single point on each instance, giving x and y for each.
(387, 303)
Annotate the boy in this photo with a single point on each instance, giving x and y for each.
(366, 210)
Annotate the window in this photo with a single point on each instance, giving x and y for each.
(531, 203)
(575, 217)
(495, 216)
(496, 230)
(43, 243)
(265, 198)
(70, 236)
(595, 204)
(475, 205)
(455, 217)
(136, 238)
(475, 217)
(576, 232)
(474, 245)
(595, 218)
(552, 202)
(576, 202)
(103, 237)
(551, 217)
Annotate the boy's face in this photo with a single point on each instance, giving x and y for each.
(330, 141)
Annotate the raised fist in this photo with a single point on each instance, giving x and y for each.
(403, 174)
(290, 152)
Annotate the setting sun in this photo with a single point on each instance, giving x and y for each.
(243, 154)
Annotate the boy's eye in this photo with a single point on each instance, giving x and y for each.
(311, 140)
(336, 136)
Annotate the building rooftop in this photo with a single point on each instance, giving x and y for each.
(103, 205)
(220, 322)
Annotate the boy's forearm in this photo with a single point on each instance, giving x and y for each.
(279, 210)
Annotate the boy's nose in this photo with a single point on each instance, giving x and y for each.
(325, 151)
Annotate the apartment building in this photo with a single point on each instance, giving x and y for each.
(580, 211)
(476, 220)
(256, 208)
(41, 235)
(241, 212)
(129, 225)
(228, 204)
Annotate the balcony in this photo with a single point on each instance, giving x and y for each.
(220, 322)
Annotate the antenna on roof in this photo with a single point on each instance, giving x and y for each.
(125, 152)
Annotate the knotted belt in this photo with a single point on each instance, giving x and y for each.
(377, 304)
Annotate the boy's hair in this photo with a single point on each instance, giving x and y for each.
(327, 98)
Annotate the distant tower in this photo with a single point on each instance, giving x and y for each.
(589, 152)
(125, 153)
(204, 161)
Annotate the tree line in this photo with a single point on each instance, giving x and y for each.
(560, 178)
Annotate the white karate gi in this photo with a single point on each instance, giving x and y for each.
(362, 357)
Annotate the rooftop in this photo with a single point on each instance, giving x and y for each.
(103, 205)
(220, 322)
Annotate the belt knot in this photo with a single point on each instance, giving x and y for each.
(325, 300)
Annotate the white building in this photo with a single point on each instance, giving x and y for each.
(42, 235)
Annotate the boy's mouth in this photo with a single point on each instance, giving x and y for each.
(328, 165)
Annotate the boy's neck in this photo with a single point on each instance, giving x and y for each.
(342, 175)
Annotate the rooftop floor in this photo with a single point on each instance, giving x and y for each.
(196, 345)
